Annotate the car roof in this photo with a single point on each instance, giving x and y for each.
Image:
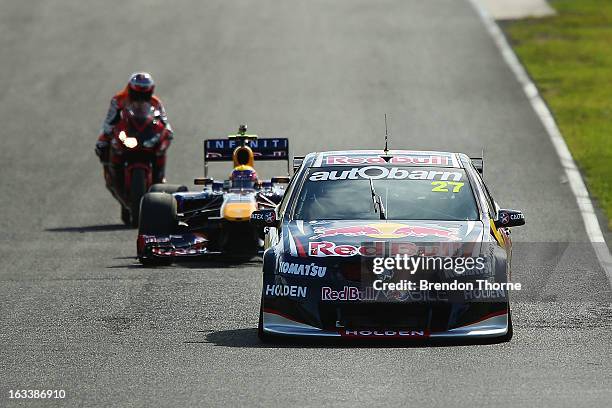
(399, 157)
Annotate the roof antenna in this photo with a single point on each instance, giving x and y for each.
(386, 157)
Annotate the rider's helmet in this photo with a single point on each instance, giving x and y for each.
(141, 87)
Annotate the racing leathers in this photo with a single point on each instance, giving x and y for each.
(112, 170)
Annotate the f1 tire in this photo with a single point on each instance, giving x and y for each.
(168, 188)
(157, 217)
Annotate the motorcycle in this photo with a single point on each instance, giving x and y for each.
(137, 149)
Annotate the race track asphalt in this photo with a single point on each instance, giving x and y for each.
(78, 313)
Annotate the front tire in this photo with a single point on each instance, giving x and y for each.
(138, 188)
(168, 188)
(125, 216)
(157, 217)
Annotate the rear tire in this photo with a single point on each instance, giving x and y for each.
(168, 188)
(138, 188)
(157, 217)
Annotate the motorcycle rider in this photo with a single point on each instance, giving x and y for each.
(138, 90)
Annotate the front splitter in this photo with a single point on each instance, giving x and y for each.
(489, 327)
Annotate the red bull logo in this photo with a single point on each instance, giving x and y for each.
(415, 159)
(372, 249)
(349, 231)
(386, 231)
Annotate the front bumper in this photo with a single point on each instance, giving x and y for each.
(490, 326)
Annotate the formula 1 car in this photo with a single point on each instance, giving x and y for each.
(216, 219)
(346, 211)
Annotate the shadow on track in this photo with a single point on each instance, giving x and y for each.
(248, 338)
(220, 261)
(91, 228)
(212, 262)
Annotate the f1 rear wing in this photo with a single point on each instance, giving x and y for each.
(219, 150)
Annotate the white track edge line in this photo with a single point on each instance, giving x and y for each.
(587, 210)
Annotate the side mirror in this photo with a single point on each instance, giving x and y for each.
(202, 181)
(217, 185)
(509, 218)
(264, 218)
(280, 180)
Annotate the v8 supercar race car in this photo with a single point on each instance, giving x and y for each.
(394, 244)
(216, 219)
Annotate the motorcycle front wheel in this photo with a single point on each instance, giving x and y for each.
(138, 188)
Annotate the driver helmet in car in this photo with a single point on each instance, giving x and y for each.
(243, 176)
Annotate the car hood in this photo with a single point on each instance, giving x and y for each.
(346, 238)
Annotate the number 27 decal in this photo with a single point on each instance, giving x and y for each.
(443, 186)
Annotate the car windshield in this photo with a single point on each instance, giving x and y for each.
(407, 193)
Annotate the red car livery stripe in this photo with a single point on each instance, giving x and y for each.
(300, 248)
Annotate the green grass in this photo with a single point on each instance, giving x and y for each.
(569, 57)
